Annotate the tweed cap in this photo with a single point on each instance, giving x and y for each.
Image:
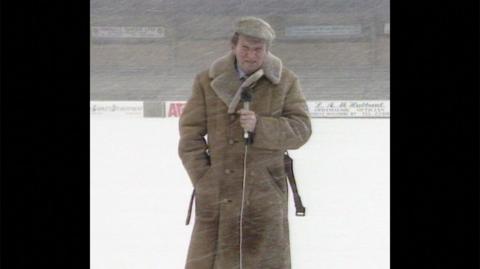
(255, 27)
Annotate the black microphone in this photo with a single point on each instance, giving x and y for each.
(246, 98)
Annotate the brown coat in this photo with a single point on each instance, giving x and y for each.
(216, 167)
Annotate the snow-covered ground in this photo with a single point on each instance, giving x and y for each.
(140, 194)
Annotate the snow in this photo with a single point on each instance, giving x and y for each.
(140, 194)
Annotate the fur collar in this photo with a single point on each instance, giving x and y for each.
(225, 81)
(272, 66)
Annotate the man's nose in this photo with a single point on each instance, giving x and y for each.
(251, 54)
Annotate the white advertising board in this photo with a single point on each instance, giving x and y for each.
(116, 108)
(323, 31)
(349, 109)
(128, 32)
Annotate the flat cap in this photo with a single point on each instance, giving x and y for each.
(255, 27)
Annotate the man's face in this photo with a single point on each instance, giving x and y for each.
(250, 53)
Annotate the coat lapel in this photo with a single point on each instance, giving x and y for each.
(226, 85)
(250, 82)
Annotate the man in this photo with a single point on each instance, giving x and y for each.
(240, 187)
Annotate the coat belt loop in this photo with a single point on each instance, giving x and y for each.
(190, 208)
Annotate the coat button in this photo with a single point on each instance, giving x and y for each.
(231, 141)
(228, 171)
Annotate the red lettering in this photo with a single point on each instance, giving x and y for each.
(172, 110)
(180, 107)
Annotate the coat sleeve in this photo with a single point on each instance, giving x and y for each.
(291, 130)
(192, 147)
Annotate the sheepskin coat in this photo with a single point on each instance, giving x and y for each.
(241, 195)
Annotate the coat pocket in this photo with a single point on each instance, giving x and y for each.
(278, 179)
(206, 197)
(201, 179)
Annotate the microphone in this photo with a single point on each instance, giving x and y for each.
(246, 98)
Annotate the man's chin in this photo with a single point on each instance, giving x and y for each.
(250, 70)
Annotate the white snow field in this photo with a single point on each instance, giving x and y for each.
(140, 194)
